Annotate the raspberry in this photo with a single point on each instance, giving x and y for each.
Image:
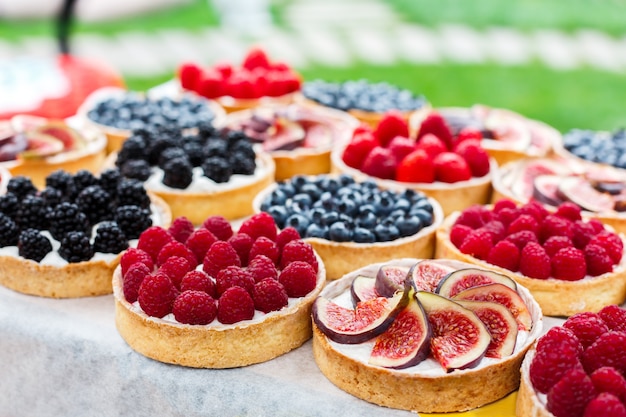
(478, 244)
(505, 255)
(474, 216)
(219, 226)
(181, 228)
(262, 267)
(400, 147)
(416, 167)
(233, 276)
(475, 156)
(597, 225)
(556, 243)
(607, 379)
(504, 203)
(598, 260)
(614, 317)
(380, 163)
(534, 261)
(133, 256)
(198, 281)
(582, 233)
(553, 225)
(468, 133)
(558, 337)
(199, 243)
(269, 295)
(175, 248)
(607, 350)
(507, 215)
(235, 305)
(605, 404)
(242, 243)
(523, 222)
(458, 233)
(298, 250)
(218, 257)
(435, 123)
(611, 242)
(286, 235)
(260, 224)
(497, 230)
(569, 264)
(451, 168)
(569, 211)
(194, 307)
(133, 279)
(267, 247)
(299, 278)
(535, 209)
(359, 147)
(156, 295)
(521, 239)
(570, 396)
(431, 146)
(175, 267)
(153, 239)
(587, 327)
(392, 124)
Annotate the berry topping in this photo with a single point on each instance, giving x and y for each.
(219, 256)
(219, 226)
(199, 243)
(32, 213)
(133, 220)
(260, 224)
(570, 396)
(380, 163)
(21, 186)
(556, 243)
(568, 264)
(298, 250)
(598, 260)
(436, 125)
(181, 228)
(194, 307)
(133, 279)
(33, 245)
(505, 254)
(234, 276)
(175, 248)
(534, 261)
(475, 156)
(605, 404)
(76, 247)
(269, 295)
(608, 379)
(262, 267)
(477, 243)
(417, 166)
(299, 278)
(65, 218)
(198, 281)
(152, 240)
(96, 203)
(451, 167)
(265, 246)
(134, 256)
(235, 305)
(391, 125)
(156, 295)
(607, 350)
(614, 317)
(587, 327)
(175, 267)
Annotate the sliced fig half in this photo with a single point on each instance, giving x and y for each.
(459, 339)
(369, 319)
(523, 187)
(70, 138)
(41, 145)
(500, 294)
(391, 278)
(580, 191)
(462, 279)
(426, 275)
(501, 325)
(288, 135)
(362, 289)
(406, 342)
(546, 189)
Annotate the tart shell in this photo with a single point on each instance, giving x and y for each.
(528, 405)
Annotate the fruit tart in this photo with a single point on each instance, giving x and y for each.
(594, 147)
(577, 369)
(212, 297)
(424, 335)
(569, 264)
(257, 81)
(210, 172)
(65, 240)
(117, 112)
(352, 224)
(299, 137)
(35, 147)
(454, 170)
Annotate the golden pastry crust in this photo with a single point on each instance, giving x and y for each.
(232, 105)
(528, 404)
(215, 345)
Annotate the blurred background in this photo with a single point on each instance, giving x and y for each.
(561, 62)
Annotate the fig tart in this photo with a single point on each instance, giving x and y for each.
(429, 336)
(65, 240)
(569, 264)
(212, 297)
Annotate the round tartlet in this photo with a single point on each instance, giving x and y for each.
(528, 403)
(426, 387)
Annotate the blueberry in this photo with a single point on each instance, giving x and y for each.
(339, 232)
(362, 235)
(279, 213)
(316, 215)
(298, 222)
(278, 197)
(298, 181)
(288, 189)
(328, 184)
(315, 230)
(312, 190)
(367, 208)
(386, 232)
(409, 225)
(346, 206)
(367, 220)
(302, 199)
(425, 217)
(395, 214)
(385, 205)
(402, 204)
(345, 179)
(422, 204)
(330, 218)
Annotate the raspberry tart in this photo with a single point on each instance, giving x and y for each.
(453, 170)
(65, 240)
(215, 298)
(577, 369)
(569, 264)
(352, 224)
(390, 330)
(299, 137)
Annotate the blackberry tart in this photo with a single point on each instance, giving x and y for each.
(65, 240)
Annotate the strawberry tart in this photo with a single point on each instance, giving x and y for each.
(577, 369)
(569, 264)
(65, 240)
(211, 297)
(454, 170)
(424, 335)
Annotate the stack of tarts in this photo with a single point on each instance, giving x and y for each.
(424, 335)
(211, 297)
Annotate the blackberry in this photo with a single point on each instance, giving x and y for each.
(9, 232)
(131, 192)
(21, 186)
(177, 173)
(62, 181)
(233, 136)
(83, 179)
(76, 247)
(243, 147)
(217, 169)
(109, 180)
(216, 147)
(207, 130)
(157, 146)
(171, 153)
(32, 213)
(137, 169)
(241, 164)
(51, 196)
(109, 238)
(33, 245)
(9, 204)
(133, 148)
(95, 203)
(65, 218)
(195, 153)
(132, 220)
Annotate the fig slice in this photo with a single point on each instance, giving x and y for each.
(500, 294)
(546, 189)
(459, 339)
(369, 318)
(41, 145)
(70, 138)
(426, 275)
(362, 289)
(390, 279)
(580, 191)
(523, 187)
(407, 340)
(501, 325)
(462, 279)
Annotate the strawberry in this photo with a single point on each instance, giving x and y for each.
(451, 167)
(279, 83)
(380, 163)
(224, 68)
(475, 156)
(240, 85)
(391, 125)
(255, 58)
(189, 74)
(435, 123)
(210, 84)
(416, 167)
(359, 147)
(401, 146)
(432, 145)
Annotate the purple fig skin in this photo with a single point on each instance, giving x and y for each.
(363, 289)
(462, 279)
(390, 279)
(545, 189)
(579, 191)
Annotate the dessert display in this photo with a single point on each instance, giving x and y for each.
(352, 224)
(35, 147)
(210, 172)
(454, 170)
(118, 112)
(569, 264)
(257, 81)
(424, 335)
(577, 369)
(299, 137)
(212, 297)
(367, 101)
(65, 240)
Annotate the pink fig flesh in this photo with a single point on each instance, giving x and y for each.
(426, 275)
(462, 279)
(390, 279)
(363, 289)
